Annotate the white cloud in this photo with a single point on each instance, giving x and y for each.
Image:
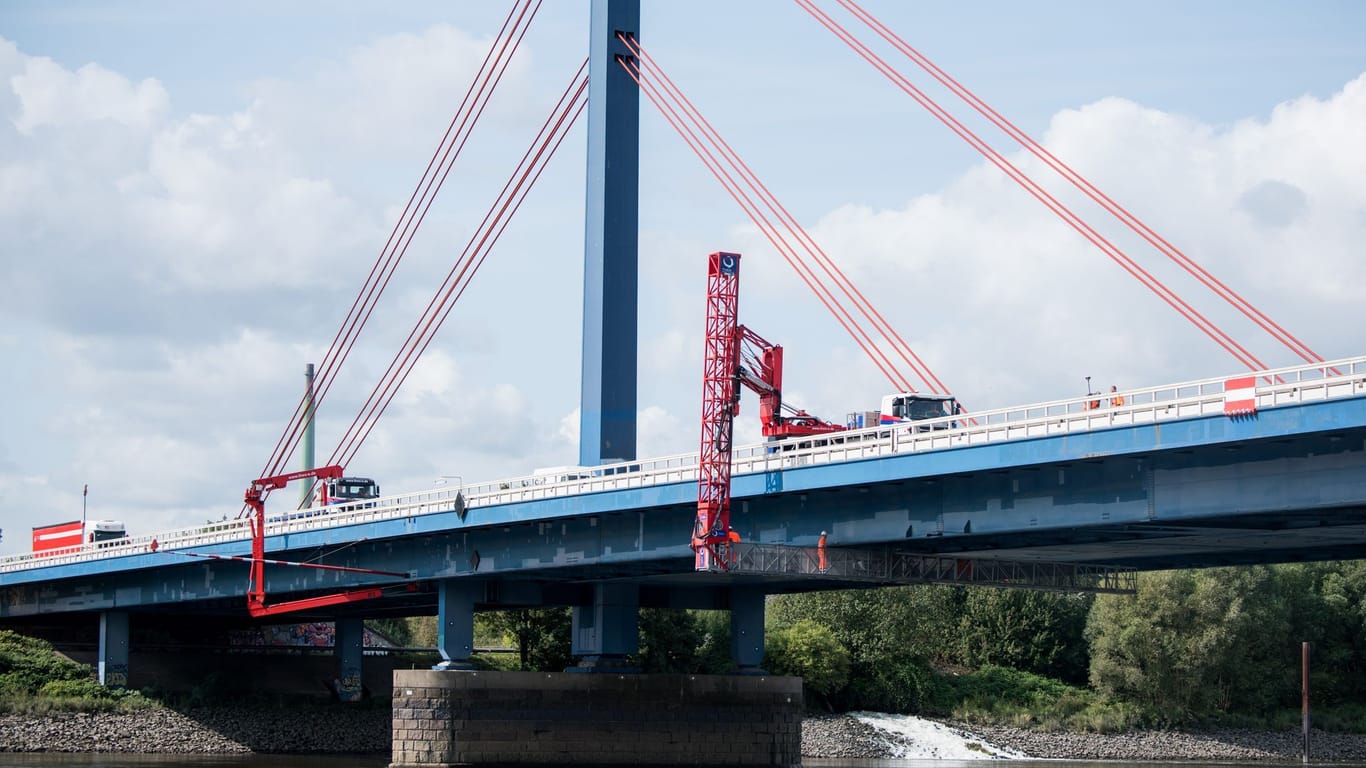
(52, 96)
(1009, 305)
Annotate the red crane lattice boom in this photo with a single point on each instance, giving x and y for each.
(720, 401)
(734, 356)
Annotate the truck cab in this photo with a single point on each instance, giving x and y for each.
(903, 407)
(343, 490)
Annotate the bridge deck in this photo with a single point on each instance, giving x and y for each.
(996, 441)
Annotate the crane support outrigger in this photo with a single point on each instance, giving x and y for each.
(734, 356)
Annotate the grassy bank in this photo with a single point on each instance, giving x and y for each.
(35, 679)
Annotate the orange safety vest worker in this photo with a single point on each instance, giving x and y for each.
(822, 562)
(1116, 399)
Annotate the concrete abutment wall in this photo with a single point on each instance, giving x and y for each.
(448, 718)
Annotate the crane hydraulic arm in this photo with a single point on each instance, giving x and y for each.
(734, 356)
(256, 584)
(759, 366)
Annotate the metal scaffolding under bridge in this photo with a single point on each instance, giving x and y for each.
(887, 566)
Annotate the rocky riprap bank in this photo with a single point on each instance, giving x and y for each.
(206, 730)
(844, 736)
(1216, 744)
(338, 729)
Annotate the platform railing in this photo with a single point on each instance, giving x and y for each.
(1148, 405)
(885, 565)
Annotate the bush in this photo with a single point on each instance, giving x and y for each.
(26, 664)
(75, 689)
(810, 651)
(904, 685)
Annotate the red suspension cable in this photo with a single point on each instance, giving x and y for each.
(1117, 255)
(664, 101)
(457, 133)
(1090, 190)
(827, 264)
(533, 162)
(788, 253)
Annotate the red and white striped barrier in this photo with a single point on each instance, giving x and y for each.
(1240, 396)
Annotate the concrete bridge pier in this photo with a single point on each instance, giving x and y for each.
(455, 623)
(605, 633)
(747, 629)
(349, 647)
(113, 651)
(537, 718)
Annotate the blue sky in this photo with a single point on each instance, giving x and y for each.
(191, 193)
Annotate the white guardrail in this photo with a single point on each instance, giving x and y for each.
(1283, 386)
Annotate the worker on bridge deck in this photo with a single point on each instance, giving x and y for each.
(1116, 399)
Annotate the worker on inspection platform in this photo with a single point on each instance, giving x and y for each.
(822, 562)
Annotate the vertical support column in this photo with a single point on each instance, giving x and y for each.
(747, 630)
(607, 420)
(608, 631)
(113, 665)
(455, 623)
(348, 645)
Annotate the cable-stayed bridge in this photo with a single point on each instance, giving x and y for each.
(1176, 476)
(1257, 466)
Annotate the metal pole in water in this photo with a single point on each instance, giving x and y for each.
(1304, 693)
(308, 433)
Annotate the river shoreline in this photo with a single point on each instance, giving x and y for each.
(343, 730)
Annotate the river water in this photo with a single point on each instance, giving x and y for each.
(89, 760)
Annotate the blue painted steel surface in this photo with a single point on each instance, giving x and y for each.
(608, 399)
(608, 629)
(349, 647)
(747, 628)
(1288, 484)
(112, 668)
(455, 623)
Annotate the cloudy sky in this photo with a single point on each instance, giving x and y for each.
(191, 194)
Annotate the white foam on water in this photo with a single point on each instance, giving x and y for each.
(911, 737)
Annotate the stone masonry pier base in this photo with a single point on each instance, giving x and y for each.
(450, 718)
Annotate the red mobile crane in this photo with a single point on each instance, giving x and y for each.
(256, 584)
(733, 356)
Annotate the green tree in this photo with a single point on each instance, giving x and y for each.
(422, 631)
(541, 636)
(892, 634)
(713, 651)
(397, 630)
(1039, 632)
(1328, 610)
(1194, 643)
(812, 652)
(669, 640)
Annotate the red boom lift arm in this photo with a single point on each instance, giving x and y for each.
(256, 584)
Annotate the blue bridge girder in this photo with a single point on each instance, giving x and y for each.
(1118, 486)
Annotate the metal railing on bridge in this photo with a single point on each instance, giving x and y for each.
(1206, 397)
(888, 566)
